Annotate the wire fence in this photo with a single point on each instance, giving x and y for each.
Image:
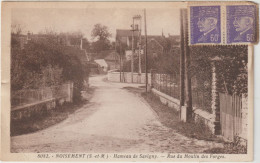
(166, 83)
(201, 99)
(29, 96)
(169, 84)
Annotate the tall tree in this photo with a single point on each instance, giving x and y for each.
(102, 34)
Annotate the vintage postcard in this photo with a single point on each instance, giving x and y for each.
(128, 81)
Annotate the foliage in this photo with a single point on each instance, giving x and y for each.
(102, 35)
(100, 32)
(234, 147)
(231, 67)
(29, 66)
(170, 118)
(16, 29)
(167, 63)
(44, 62)
(100, 45)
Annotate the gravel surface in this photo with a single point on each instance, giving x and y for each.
(115, 120)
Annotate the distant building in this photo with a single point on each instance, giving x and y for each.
(112, 60)
(125, 36)
(128, 53)
(157, 44)
(111, 57)
(102, 64)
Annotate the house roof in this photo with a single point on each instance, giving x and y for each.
(125, 33)
(158, 38)
(107, 55)
(165, 42)
(101, 62)
(112, 56)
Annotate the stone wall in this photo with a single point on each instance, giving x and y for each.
(198, 114)
(205, 117)
(167, 100)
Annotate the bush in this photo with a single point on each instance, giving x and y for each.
(44, 62)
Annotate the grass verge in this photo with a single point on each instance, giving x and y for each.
(52, 117)
(170, 118)
(39, 122)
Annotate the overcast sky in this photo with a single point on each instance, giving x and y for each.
(69, 20)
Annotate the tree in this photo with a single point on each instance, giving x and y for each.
(17, 29)
(85, 44)
(101, 33)
(100, 45)
(45, 62)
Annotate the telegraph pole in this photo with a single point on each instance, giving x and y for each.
(188, 98)
(182, 66)
(132, 57)
(140, 40)
(146, 58)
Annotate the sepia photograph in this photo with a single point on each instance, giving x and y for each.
(127, 81)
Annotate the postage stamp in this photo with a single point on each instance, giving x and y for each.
(205, 24)
(241, 25)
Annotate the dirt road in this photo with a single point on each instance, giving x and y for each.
(115, 120)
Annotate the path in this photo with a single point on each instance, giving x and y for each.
(115, 120)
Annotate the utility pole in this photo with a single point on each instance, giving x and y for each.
(140, 40)
(146, 58)
(132, 57)
(188, 98)
(182, 66)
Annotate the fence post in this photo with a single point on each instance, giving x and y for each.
(215, 105)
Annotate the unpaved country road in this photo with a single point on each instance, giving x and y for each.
(115, 120)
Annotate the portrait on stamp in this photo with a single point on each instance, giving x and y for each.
(205, 24)
(240, 24)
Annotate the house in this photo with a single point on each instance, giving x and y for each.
(124, 36)
(111, 57)
(157, 44)
(102, 64)
(112, 60)
(128, 53)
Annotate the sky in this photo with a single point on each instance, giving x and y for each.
(84, 19)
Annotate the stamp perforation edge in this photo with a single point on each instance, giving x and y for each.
(223, 20)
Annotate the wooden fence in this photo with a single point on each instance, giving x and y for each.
(230, 115)
(29, 96)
